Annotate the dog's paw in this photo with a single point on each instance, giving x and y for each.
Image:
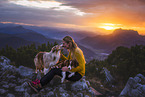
(70, 75)
(62, 81)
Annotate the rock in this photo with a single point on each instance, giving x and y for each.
(86, 96)
(61, 90)
(5, 60)
(10, 95)
(26, 94)
(109, 77)
(64, 95)
(2, 91)
(5, 86)
(12, 76)
(12, 85)
(19, 89)
(80, 85)
(51, 94)
(25, 71)
(134, 87)
(79, 95)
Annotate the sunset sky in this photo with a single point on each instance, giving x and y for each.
(100, 16)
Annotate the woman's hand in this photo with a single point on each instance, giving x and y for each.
(65, 68)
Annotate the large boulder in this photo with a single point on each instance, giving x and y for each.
(135, 87)
(109, 77)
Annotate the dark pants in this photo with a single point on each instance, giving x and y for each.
(57, 71)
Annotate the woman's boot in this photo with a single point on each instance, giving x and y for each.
(35, 85)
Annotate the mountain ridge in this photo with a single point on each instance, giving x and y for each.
(28, 37)
(14, 30)
(119, 37)
(16, 36)
(13, 41)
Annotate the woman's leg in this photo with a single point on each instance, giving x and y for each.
(38, 84)
(57, 71)
(74, 78)
(49, 76)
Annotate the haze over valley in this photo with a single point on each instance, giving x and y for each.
(94, 46)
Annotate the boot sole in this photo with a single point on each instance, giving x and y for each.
(33, 87)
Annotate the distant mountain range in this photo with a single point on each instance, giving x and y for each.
(15, 30)
(59, 33)
(16, 36)
(119, 37)
(13, 41)
(92, 46)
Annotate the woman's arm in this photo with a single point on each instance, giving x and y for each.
(63, 57)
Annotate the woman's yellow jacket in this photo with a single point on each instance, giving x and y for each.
(79, 56)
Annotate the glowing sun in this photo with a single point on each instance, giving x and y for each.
(108, 26)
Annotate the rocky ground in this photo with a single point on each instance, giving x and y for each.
(13, 82)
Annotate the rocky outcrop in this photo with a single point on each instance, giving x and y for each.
(109, 77)
(14, 84)
(106, 77)
(135, 87)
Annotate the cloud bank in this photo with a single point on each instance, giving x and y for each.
(80, 13)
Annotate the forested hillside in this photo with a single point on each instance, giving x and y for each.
(25, 54)
(122, 63)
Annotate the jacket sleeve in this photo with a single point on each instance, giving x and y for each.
(63, 57)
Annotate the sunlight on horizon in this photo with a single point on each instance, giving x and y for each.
(107, 29)
(108, 26)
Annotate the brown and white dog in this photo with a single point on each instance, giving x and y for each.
(70, 64)
(45, 60)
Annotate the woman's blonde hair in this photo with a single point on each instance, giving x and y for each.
(68, 40)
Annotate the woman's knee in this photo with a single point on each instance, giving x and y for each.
(56, 71)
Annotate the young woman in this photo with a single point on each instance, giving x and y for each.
(74, 53)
